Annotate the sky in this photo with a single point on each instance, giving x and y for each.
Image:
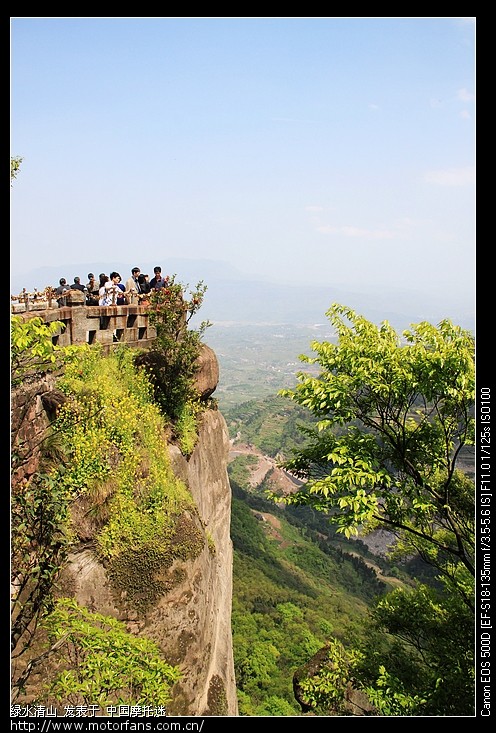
(310, 150)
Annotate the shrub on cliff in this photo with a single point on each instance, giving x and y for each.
(110, 481)
(172, 360)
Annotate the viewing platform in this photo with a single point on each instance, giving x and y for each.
(107, 325)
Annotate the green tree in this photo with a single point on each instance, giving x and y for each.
(324, 688)
(32, 349)
(395, 417)
(436, 631)
(395, 420)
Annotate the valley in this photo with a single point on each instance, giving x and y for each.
(257, 360)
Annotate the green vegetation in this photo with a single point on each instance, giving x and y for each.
(272, 424)
(100, 663)
(32, 349)
(110, 418)
(408, 410)
(172, 361)
(294, 588)
(104, 473)
(15, 165)
(39, 509)
(40, 520)
(393, 419)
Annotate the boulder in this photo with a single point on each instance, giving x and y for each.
(207, 376)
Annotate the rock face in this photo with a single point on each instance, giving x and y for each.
(32, 409)
(191, 622)
(201, 609)
(207, 377)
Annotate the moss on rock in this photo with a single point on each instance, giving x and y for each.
(140, 575)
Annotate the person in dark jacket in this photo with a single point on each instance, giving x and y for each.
(143, 283)
(76, 285)
(158, 282)
(92, 290)
(59, 292)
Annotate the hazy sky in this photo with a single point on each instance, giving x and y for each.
(309, 150)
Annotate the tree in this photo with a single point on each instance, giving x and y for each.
(32, 349)
(436, 635)
(395, 417)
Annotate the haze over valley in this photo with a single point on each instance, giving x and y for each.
(236, 297)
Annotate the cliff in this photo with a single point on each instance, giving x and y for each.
(184, 600)
(191, 621)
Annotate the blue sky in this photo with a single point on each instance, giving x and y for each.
(302, 150)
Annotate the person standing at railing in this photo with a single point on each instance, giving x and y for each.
(158, 282)
(120, 296)
(104, 298)
(111, 290)
(77, 285)
(92, 288)
(59, 292)
(133, 288)
(144, 284)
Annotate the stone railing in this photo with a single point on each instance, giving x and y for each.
(108, 325)
(36, 300)
(42, 299)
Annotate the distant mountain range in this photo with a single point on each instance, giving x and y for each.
(237, 298)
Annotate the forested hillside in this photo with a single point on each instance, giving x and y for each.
(296, 582)
(289, 596)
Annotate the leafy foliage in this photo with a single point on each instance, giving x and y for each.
(408, 413)
(394, 420)
(172, 361)
(39, 542)
(325, 691)
(15, 165)
(437, 631)
(101, 663)
(32, 348)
